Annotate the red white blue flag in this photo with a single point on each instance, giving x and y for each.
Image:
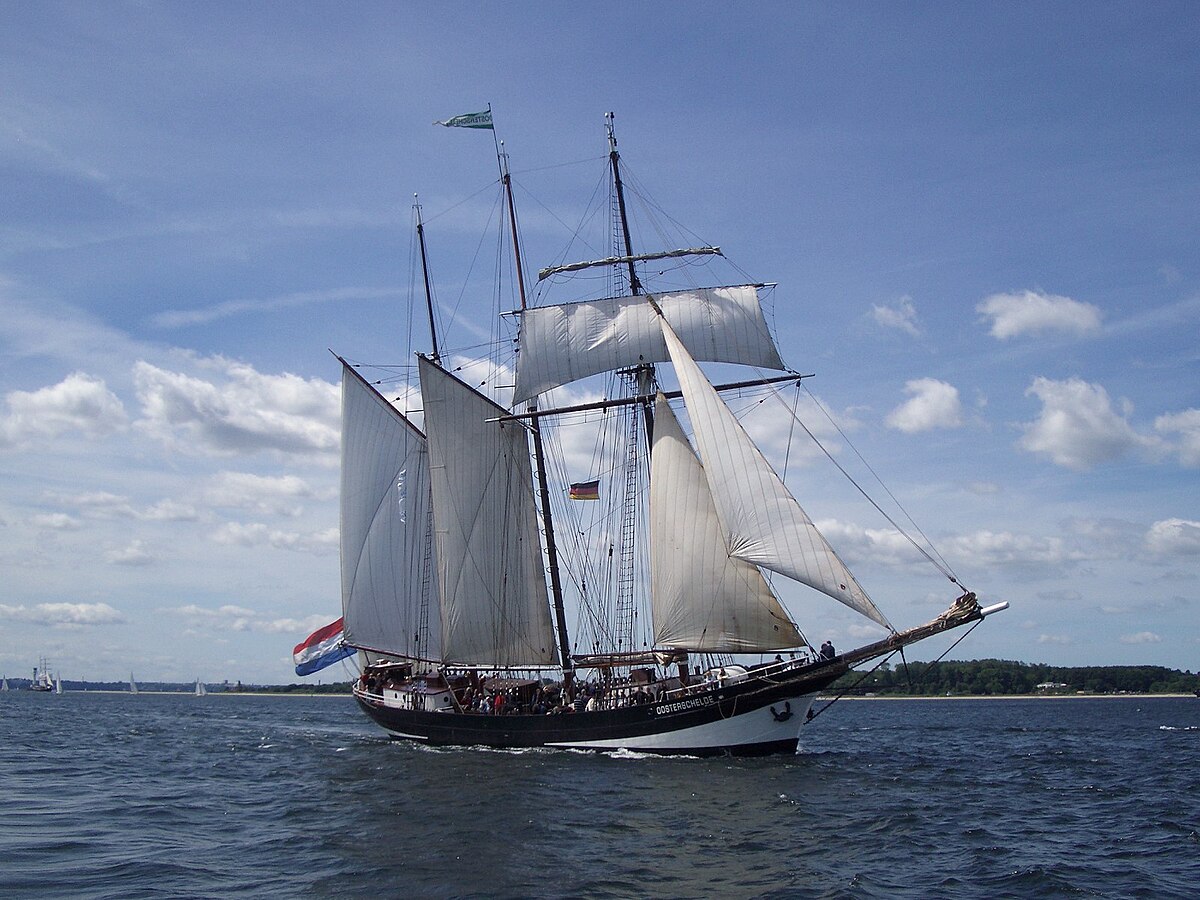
(322, 648)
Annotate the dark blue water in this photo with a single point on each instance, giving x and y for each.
(109, 795)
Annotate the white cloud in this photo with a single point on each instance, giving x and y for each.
(1077, 427)
(77, 403)
(63, 614)
(1186, 424)
(1030, 312)
(239, 411)
(901, 315)
(1004, 548)
(132, 554)
(1053, 639)
(932, 404)
(105, 505)
(882, 546)
(55, 522)
(257, 534)
(237, 618)
(1174, 537)
(1141, 637)
(243, 490)
(174, 318)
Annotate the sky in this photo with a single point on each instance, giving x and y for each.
(982, 219)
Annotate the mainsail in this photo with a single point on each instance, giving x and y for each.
(701, 597)
(762, 522)
(566, 342)
(389, 582)
(493, 585)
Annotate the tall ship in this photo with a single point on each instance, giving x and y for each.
(510, 583)
(43, 681)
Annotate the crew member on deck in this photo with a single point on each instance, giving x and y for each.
(827, 651)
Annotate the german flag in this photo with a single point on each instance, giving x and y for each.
(585, 490)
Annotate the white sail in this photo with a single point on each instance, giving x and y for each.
(133, 688)
(762, 521)
(201, 690)
(58, 688)
(702, 598)
(492, 581)
(389, 582)
(563, 343)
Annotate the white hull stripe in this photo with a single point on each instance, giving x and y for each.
(760, 726)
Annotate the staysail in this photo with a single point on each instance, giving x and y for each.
(566, 342)
(702, 598)
(762, 522)
(389, 582)
(492, 580)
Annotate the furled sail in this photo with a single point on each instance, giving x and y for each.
(702, 598)
(493, 585)
(563, 343)
(762, 521)
(389, 583)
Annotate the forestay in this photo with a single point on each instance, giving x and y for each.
(387, 569)
(702, 598)
(494, 604)
(566, 342)
(762, 521)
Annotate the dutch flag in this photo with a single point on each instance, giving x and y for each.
(320, 649)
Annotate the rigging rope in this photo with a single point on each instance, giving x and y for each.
(940, 564)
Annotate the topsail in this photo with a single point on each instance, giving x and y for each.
(563, 343)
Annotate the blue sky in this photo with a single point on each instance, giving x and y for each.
(982, 219)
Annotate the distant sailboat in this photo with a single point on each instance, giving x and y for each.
(132, 684)
(201, 690)
(42, 681)
(3, 685)
(58, 688)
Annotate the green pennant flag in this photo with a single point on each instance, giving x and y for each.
(470, 120)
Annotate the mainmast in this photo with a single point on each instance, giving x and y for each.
(614, 160)
(560, 614)
(642, 378)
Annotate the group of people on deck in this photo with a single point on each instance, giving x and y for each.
(552, 700)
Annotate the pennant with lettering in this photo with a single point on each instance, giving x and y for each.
(470, 120)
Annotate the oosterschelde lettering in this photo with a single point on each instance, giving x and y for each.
(680, 705)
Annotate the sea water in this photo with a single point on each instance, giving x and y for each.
(111, 795)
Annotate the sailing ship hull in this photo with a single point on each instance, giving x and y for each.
(755, 717)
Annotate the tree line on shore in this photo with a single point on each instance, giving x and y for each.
(999, 677)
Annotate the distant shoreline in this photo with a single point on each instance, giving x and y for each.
(1012, 697)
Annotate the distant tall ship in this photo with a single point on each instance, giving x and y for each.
(456, 552)
(42, 682)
